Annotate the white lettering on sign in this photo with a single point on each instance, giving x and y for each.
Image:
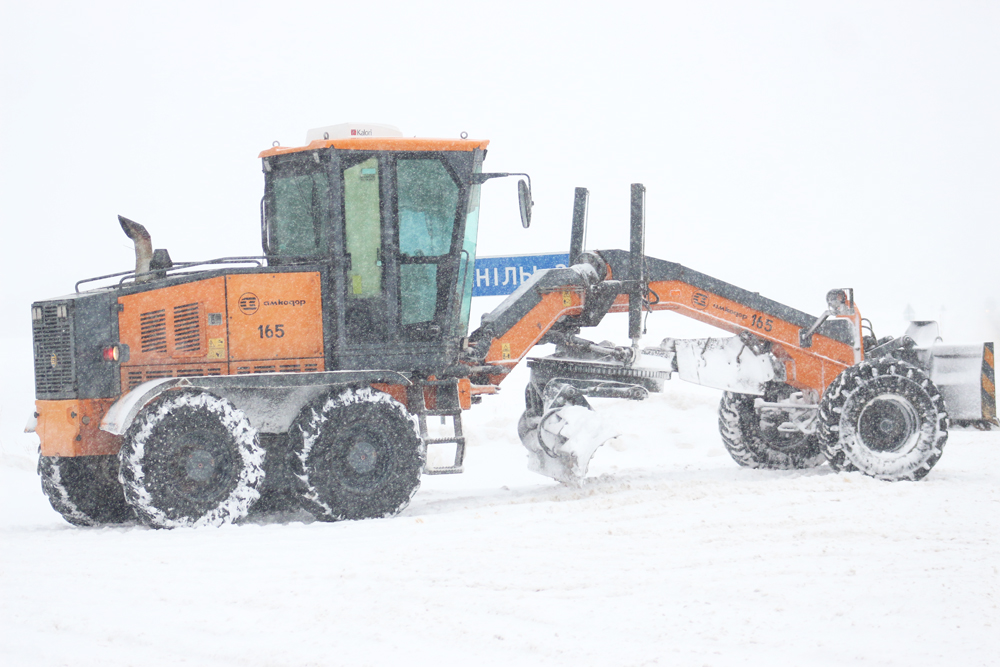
(483, 278)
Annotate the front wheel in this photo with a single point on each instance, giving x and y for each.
(884, 418)
(756, 442)
(356, 454)
(191, 458)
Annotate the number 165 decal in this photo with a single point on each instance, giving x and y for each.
(761, 323)
(266, 331)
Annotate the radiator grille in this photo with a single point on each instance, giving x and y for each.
(53, 342)
(134, 376)
(288, 367)
(153, 331)
(187, 328)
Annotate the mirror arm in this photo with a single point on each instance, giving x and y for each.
(478, 179)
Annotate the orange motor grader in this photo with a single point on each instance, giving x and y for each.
(192, 393)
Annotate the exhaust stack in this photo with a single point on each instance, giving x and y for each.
(143, 247)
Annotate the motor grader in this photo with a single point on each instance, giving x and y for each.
(192, 393)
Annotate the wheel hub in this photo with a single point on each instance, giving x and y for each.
(362, 457)
(200, 466)
(888, 423)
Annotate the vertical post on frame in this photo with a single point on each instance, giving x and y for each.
(637, 262)
(579, 234)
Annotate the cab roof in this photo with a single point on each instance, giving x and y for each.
(382, 144)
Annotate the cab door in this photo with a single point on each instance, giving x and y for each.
(368, 315)
(426, 207)
(400, 216)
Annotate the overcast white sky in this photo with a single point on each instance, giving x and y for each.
(786, 147)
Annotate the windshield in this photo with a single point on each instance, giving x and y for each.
(467, 267)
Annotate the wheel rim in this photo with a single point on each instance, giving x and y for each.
(362, 457)
(363, 460)
(888, 423)
(202, 467)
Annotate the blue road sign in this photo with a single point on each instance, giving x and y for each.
(496, 276)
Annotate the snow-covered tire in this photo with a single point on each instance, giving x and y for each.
(751, 446)
(356, 453)
(191, 458)
(85, 489)
(885, 418)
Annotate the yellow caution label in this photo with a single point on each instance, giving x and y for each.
(216, 348)
(505, 350)
(989, 389)
(356, 285)
(567, 298)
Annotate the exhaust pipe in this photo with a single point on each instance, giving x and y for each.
(143, 247)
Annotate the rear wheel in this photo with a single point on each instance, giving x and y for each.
(756, 442)
(357, 454)
(85, 489)
(190, 459)
(885, 418)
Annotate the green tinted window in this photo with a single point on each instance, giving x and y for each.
(363, 229)
(300, 209)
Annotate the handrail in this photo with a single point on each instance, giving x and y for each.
(258, 261)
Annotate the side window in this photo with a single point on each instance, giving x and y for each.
(300, 210)
(363, 229)
(427, 202)
(428, 197)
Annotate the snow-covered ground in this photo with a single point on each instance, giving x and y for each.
(669, 554)
(787, 148)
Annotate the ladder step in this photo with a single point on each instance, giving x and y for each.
(445, 470)
(458, 439)
(441, 441)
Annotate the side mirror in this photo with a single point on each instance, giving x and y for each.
(523, 192)
(524, 200)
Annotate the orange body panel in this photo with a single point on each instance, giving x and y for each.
(398, 392)
(147, 319)
(72, 428)
(236, 324)
(811, 368)
(260, 303)
(383, 144)
(465, 393)
(508, 350)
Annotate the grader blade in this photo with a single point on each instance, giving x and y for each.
(561, 443)
(559, 428)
